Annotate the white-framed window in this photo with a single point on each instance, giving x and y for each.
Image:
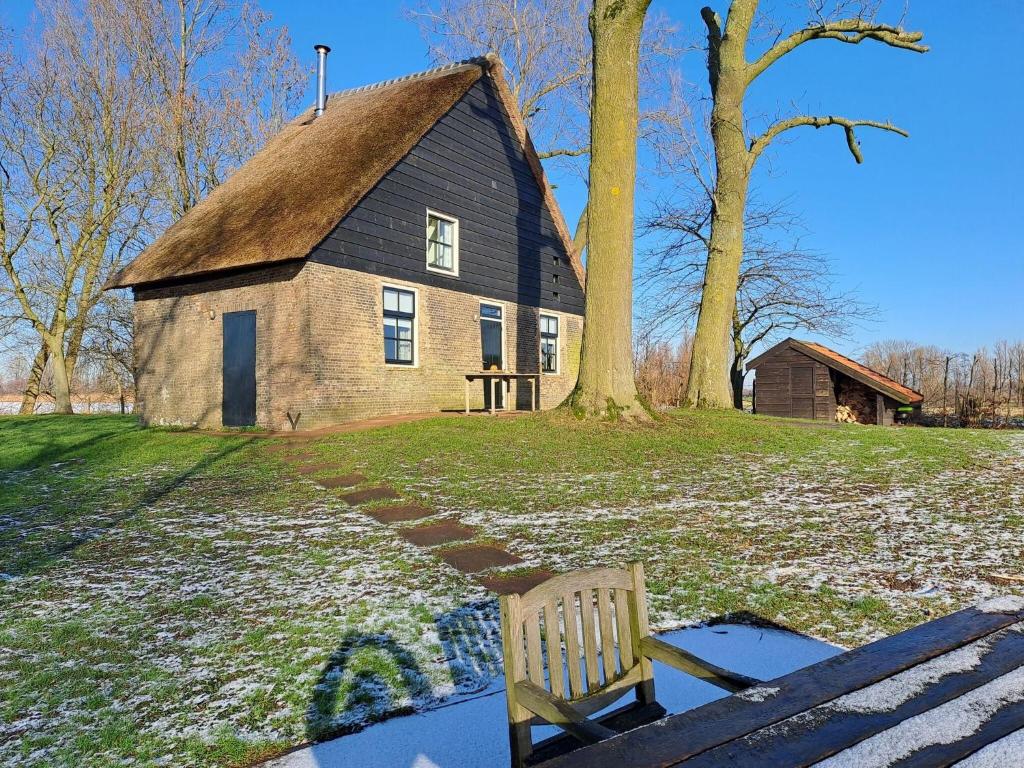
(399, 326)
(442, 243)
(492, 335)
(548, 344)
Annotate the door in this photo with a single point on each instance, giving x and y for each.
(492, 348)
(238, 406)
(801, 391)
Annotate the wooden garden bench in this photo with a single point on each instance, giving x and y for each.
(589, 629)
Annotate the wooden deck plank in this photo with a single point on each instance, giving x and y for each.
(827, 731)
(1007, 720)
(682, 736)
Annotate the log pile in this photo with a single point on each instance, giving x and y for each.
(845, 415)
(857, 399)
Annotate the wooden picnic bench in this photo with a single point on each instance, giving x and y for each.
(494, 378)
(931, 696)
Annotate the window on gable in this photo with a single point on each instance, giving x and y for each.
(442, 243)
(399, 326)
(549, 344)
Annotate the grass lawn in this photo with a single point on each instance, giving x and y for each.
(171, 598)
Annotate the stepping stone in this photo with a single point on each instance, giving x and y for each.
(475, 558)
(308, 469)
(378, 493)
(276, 447)
(399, 513)
(345, 481)
(438, 533)
(515, 585)
(299, 458)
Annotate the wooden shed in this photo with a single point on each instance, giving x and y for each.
(805, 380)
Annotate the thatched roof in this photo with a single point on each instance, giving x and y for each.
(858, 371)
(282, 203)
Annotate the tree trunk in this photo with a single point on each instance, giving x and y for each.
(61, 380)
(579, 240)
(35, 377)
(736, 379)
(606, 385)
(709, 383)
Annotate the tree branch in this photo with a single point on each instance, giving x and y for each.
(714, 24)
(564, 153)
(851, 31)
(758, 144)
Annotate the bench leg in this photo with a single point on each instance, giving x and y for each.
(467, 396)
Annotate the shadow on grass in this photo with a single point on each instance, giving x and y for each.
(36, 533)
(48, 439)
(372, 677)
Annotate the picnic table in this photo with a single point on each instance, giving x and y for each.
(494, 378)
(931, 696)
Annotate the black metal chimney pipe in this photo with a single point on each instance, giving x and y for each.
(321, 78)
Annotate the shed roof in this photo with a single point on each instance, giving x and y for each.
(872, 378)
(289, 196)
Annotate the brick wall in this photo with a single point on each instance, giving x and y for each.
(178, 346)
(347, 349)
(320, 349)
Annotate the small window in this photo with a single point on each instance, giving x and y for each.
(548, 344)
(399, 326)
(442, 243)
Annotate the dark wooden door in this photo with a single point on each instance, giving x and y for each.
(238, 407)
(801, 391)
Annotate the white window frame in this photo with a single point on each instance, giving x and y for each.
(504, 339)
(558, 344)
(415, 324)
(454, 271)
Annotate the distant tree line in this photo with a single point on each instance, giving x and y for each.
(980, 388)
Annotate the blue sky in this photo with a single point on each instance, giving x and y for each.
(928, 228)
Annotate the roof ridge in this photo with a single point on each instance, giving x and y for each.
(485, 62)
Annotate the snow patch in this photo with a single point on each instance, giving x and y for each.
(1009, 750)
(888, 694)
(760, 693)
(953, 721)
(1005, 604)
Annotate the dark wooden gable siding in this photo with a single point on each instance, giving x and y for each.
(470, 166)
(791, 384)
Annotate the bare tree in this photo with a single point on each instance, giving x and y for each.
(661, 370)
(220, 79)
(116, 120)
(980, 389)
(109, 344)
(71, 160)
(730, 74)
(782, 286)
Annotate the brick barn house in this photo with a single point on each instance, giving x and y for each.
(382, 246)
(801, 379)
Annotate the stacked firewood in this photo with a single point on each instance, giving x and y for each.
(857, 399)
(845, 415)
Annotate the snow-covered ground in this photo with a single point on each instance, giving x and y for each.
(185, 617)
(472, 733)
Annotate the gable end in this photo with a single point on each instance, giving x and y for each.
(471, 165)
